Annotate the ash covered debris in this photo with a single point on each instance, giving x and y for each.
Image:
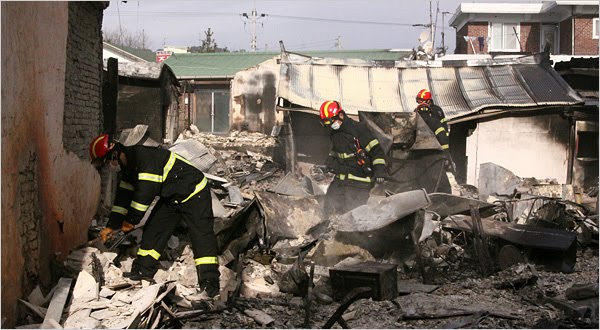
(458, 261)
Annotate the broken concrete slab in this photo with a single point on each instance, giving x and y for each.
(288, 217)
(378, 213)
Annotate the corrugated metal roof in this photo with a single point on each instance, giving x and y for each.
(226, 65)
(145, 54)
(461, 88)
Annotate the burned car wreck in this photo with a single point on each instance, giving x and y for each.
(406, 259)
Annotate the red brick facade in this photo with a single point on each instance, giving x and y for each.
(583, 41)
(474, 29)
(530, 37)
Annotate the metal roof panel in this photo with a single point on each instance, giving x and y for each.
(461, 88)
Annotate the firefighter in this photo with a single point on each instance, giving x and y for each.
(434, 117)
(356, 158)
(147, 172)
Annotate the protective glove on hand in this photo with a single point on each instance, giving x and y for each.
(106, 233)
(127, 227)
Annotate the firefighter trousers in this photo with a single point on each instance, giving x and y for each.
(197, 216)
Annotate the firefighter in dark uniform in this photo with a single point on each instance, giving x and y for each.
(434, 116)
(147, 172)
(356, 158)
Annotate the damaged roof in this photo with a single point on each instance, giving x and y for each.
(145, 70)
(460, 87)
(226, 65)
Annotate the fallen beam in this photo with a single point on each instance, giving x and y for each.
(57, 304)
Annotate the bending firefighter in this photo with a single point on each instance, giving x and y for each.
(356, 158)
(147, 172)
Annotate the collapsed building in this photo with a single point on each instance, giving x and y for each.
(398, 253)
(271, 234)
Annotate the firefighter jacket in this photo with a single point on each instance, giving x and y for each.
(436, 123)
(151, 172)
(356, 154)
(440, 114)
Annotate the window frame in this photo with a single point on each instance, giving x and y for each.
(503, 48)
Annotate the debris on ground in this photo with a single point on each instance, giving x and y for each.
(525, 256)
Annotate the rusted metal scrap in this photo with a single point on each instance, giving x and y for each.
(555, 248)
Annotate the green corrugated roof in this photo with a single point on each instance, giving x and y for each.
(218, 65)
(226, 65)
(145, 54)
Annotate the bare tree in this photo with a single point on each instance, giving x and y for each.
(138, 39)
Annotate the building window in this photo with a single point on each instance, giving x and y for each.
(505, 36)
(595, 28)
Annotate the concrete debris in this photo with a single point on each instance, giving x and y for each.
(271, 229)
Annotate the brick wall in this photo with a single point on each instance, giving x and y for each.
(30, 224)
(530, 37)
(565, 30)
(50, 192)
(584, 43)
(82, 118)
(474, 29)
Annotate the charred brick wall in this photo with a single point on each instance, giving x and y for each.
(566, 29)
(49, 194)
(584, 43)
(82, 120)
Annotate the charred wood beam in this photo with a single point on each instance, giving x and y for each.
(480, 242)
(307, 298)
(351, 297)
(415, 233)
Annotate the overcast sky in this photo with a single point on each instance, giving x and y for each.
(300, 24)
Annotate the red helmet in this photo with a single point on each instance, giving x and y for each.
(329, 111)
(423, 95)
(99, 147)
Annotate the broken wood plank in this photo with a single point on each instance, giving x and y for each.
(40, 311)
(452, 313)
(260, 317)
(58, 302)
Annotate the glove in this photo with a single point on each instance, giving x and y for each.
(127, 227)
(380, 179)
(106, 233)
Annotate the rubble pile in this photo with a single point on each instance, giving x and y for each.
(502, 257)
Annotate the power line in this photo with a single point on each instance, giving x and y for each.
(215, 14)
(333, 20)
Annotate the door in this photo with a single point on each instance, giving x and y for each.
(212, 110)
(550, 38)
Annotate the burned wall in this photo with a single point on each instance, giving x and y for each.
(254, 94)
(529, 146)
(49, 193)
(82, 121)
(140, 102)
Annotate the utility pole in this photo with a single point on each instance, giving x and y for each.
(444, 13)
(338, 43)
(254, 17)
(430, 23)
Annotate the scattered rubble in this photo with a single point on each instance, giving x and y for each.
(525, 256)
